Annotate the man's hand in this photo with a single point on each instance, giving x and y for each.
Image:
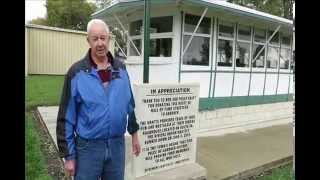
(70, 167)
(135, 144)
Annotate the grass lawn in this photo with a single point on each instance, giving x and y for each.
(281, 173)
(43, 90)
(35, 163)
(40, 90)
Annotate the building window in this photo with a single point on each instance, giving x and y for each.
(243, 46)
(285, 40)
(275, 39)
(198, 51)
(284, 58)
(225, 44)
(273, 57)
(258, 59)
(161, 35)
(135, 28)
(273, 50)
(191, 21)
(259, 48)
(226, 29)
(260, 35)
(225, 52)
(161, 24)
(138, 44)
(244, 33)
(160, 47)
(285, 51)
(242, 54)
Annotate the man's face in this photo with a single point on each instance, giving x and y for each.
(98, 40)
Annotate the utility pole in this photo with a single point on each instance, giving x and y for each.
(146, 46)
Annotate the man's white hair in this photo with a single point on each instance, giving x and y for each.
(97, 21)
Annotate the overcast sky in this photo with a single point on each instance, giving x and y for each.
(34, 9)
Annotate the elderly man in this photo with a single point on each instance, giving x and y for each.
(96, 108)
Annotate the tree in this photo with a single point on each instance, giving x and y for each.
(288, 8)
(39, 21)
(102, 3)
(282, 8)
(69, 14)
(273, 7)
(254, 4)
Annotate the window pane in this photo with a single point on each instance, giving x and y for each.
(285, 40)
(132, 51)
(226, 29)
(191, 22)
(197, 52)
(135, 28)
(258, 59)
(244, 33)
(160, 47)
(284, 58)
(275, 38)
(273, 57)
(225, 52)
(242, 54)
(260, 35)
(161, 24)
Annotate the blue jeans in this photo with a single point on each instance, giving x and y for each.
(103, 159)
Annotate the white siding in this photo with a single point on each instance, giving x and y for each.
(223, 84)
(256, 87)
(283, 84)
(241, 84)
(291, 84)
(271, 84)
(202, 78)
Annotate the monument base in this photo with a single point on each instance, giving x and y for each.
(192, 171)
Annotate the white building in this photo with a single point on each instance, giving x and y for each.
(239, 56)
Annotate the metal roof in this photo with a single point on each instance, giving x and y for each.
(242, 10)
(121, 5)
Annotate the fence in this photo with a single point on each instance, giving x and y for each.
(52, 51)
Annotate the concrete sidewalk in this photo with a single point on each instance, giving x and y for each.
(241, 155)
(231, 156)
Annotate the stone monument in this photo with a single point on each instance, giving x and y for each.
(167, 115)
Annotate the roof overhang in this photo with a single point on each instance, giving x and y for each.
(118, 6)
(240, 10)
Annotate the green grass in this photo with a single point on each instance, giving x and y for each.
(43, 90)
(40, 90)
(281, 173)
(35, 168)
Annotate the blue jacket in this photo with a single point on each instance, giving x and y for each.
(91, 111)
